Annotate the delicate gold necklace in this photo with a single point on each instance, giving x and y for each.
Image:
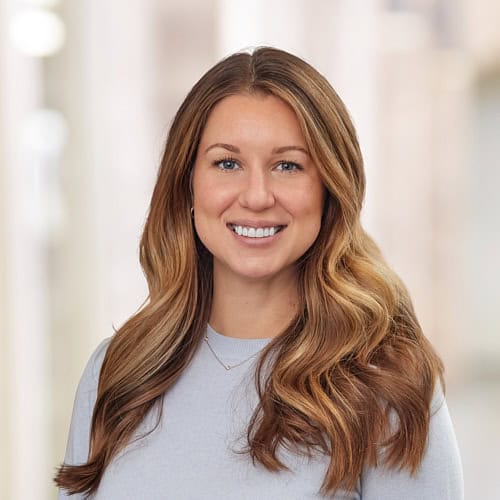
(225, 365)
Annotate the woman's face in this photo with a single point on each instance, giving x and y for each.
(258, 198)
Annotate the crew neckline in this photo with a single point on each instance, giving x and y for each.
(234, 349)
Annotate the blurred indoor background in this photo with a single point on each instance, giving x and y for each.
(87, 91)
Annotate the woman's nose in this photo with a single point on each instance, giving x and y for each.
(256, 192)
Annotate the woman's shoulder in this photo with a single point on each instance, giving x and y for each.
(78, 440)
(438, 398)
(90, 376)
(439, 475)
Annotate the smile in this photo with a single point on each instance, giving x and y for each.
(255, 232)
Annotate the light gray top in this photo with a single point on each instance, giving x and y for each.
(205, 414)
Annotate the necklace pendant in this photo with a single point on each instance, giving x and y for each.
(226, 367)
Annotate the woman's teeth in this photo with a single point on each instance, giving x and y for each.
(255, 232)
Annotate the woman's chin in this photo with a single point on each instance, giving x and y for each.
(257, 271)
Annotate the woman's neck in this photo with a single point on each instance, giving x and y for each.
(253, 308)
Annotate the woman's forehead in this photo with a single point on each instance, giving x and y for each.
(253, 118)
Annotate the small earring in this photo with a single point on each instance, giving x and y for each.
(192, 212)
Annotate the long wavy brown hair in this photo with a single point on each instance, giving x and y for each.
(352, 359)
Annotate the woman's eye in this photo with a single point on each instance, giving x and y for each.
(227, 164)
(288, 166)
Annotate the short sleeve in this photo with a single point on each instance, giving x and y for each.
(440, 474)
(77, 447)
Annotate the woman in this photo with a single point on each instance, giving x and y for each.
(278, 357)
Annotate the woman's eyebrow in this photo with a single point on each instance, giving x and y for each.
(280, 150)
(222, 145)
(284, 149)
